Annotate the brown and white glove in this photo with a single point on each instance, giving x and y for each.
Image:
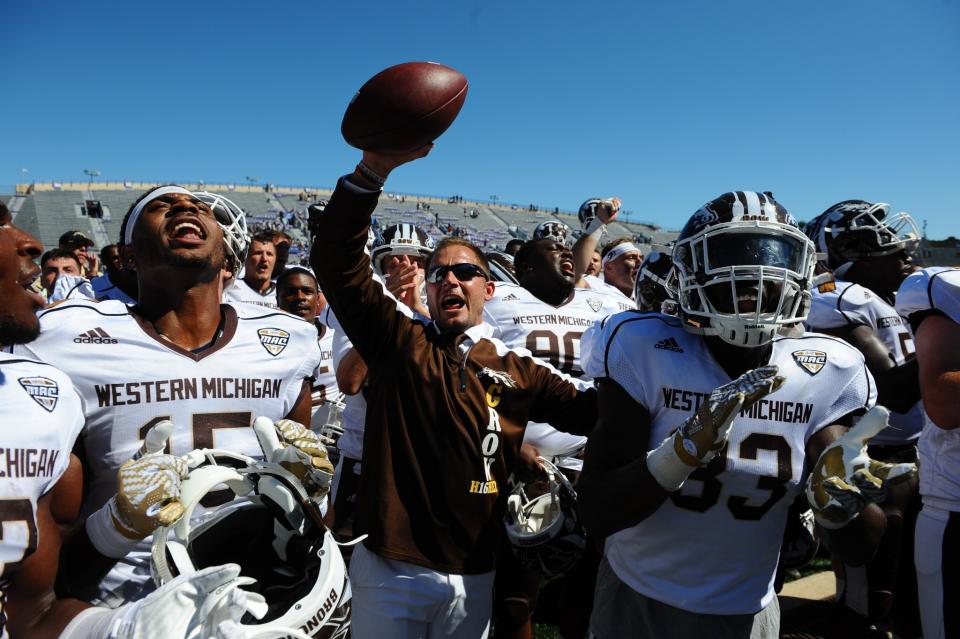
(845, 479)
(148, 497)
(303, 454)
(698, 440)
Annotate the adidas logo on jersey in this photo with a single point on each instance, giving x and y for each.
(274, 340)
(95, 336)
(669, 344)
(42, 390)
(509, 297)
(811, 361)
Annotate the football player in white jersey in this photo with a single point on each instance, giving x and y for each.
(930, 300)
(707, 422)
(256, 287)
(41, 486)
(299, 294)
(546, 315)
(869, 252)
(178, 355)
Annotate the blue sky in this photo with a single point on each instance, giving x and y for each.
(665, 104)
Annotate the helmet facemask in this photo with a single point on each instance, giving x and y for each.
(233, 221)
(867, 231)
(542, 524)
(744, 281)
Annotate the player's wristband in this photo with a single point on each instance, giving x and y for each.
(104, 535)
(595, 227)
(667, 467)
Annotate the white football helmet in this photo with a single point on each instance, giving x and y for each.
(655, 288)
(271, 529)
(401, 239)
(855, 230)
(553, 230)
(233, 221)
(542, 523)
(743, 268)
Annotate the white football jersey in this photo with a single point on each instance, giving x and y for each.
(354, 413)
(105, 289)
(324, 394)
(551, 333)
(240, 291)
(597, 285)
(712, 548)
(42, 415)
(131, 378)
(936, 289)
(840, 304)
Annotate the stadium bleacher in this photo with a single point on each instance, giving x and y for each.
(47, 210)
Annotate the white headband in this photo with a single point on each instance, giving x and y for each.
(138, 209)
(617, 251)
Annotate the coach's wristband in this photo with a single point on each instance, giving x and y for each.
(370, 174)
(104, 535)
(667, 468)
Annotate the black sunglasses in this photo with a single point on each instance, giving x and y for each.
(464, 272)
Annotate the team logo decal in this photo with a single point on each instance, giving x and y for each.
(810, 361)
(594, 304)
(42, 390)
(498, 377)
(274, 340)
(703, 217)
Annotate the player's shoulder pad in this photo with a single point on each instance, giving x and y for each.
(616, 334)
(31, 364)
(264, 315)
(811, 349)
(852, 296)
(67, 312)
(508, 292)
(933, 288)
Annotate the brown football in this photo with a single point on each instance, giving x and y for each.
(404, 107)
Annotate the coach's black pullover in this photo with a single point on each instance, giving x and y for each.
(443, 426)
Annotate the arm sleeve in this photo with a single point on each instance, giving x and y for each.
(368, 317)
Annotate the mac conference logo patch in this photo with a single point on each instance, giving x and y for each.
(594, 304)
(42, 390)
(810, 361)
(273, 339)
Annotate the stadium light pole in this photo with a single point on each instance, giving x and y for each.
(91, 173)
(252, 179)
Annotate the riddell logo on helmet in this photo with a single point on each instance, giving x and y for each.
(95, 336)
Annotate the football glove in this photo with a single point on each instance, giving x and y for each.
(148, 497)
(302, 453)
(698, 440)
(189, 607)
(845, 479)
